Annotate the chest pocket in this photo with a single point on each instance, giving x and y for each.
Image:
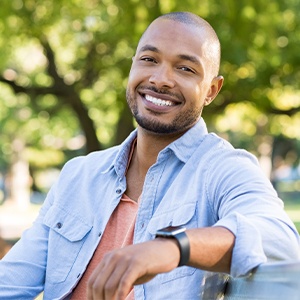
(185, 215)
(66, 237)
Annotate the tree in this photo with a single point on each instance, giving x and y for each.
(64, 67)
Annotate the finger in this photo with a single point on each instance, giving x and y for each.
(104, 281)
(127, 281)
(98, 278)
(118, 285)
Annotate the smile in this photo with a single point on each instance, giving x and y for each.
(158, 101)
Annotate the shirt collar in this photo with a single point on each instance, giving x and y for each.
(121, 160)
(183, 147)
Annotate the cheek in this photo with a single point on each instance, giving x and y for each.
(130, 78)
(134, 80)
(200, 95)
(136, 72)
(194, 94)
(198, 91)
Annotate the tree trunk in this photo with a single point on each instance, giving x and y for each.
(86, 123)
(20, 180)
(125, 125)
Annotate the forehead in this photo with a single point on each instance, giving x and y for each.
(174, 36)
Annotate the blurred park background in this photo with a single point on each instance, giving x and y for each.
(63, 72)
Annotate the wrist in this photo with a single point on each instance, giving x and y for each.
(173, 251)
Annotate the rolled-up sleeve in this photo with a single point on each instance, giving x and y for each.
(249, 207)
(248, 251)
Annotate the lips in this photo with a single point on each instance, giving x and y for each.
(158, 101)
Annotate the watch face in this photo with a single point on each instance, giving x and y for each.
(170, 230)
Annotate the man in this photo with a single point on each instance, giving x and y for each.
(102, 229)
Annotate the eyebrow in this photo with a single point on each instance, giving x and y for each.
(149, 48)
(190, 58)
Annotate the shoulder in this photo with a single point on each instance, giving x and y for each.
(97, 161)
(221, 151)
(80, 178)
(224, 163)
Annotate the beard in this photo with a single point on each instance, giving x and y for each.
(180, 123)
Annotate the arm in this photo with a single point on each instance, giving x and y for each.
(211, 248)
(248, 206)
(113, 278)
(22, 270)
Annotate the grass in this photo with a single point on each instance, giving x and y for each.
(292, 207)
(294, 214)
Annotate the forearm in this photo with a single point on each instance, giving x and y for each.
(211, 248)
(120, 269)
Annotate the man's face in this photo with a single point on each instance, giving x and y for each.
(170, 78)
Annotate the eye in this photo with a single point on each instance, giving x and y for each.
(186, 69)
(147, 58)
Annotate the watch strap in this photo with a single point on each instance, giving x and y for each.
(183, 244)
(184, 248)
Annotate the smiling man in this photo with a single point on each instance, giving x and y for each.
(174, 74)
(148, 218)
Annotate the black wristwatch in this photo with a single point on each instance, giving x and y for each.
(178, 233)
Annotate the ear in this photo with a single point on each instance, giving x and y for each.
(214, 90)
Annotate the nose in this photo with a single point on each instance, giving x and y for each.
(162, 77)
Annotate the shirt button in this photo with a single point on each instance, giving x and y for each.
(118, 191)
(58, 225)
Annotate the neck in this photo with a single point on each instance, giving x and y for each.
(144, 156)
(149, 145)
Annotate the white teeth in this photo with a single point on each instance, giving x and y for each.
(157, 101)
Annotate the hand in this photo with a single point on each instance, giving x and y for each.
(120, 269)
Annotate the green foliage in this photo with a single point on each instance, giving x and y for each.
(64, 66)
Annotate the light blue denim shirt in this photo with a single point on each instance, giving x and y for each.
(199, 180)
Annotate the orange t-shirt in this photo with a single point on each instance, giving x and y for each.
(117, 234)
